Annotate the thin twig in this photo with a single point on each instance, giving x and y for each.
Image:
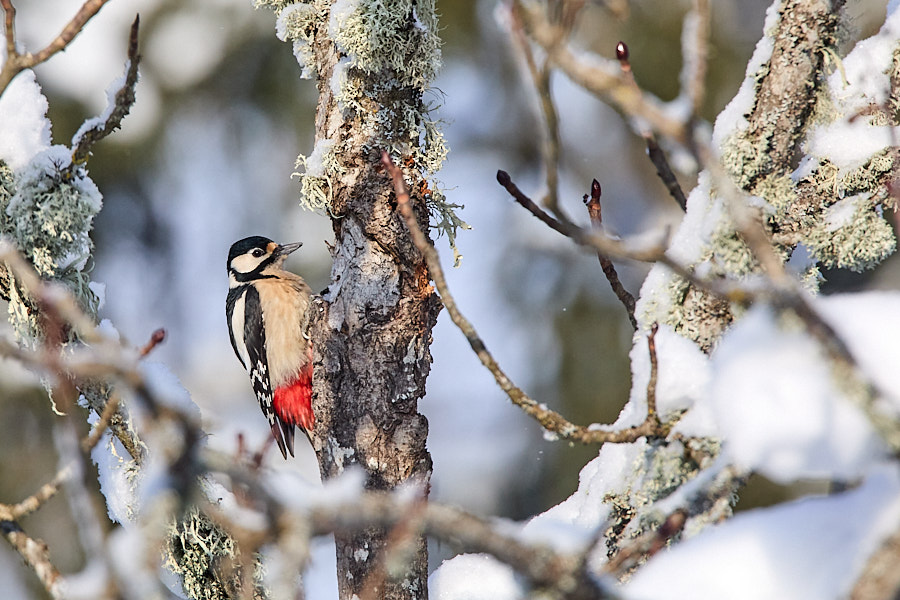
(609, 270)
(16, 62)
(540, 77)
(652, 413)
(600, 77)
(648, 544)
(695, 50)
(614, 248)
(36, 555)
(549, 419)
(654, 152)
(37, 499)
(156, 338)
(100, 427)
(9, 12)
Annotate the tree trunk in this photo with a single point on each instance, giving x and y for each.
(372, 331)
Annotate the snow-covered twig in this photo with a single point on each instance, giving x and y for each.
(120, 104)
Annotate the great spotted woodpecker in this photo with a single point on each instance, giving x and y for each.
(268, 313)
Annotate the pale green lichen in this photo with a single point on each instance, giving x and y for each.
(316, 178)
(860, 242)
(658, 472)
(400, 36)
(832, 181)
(207, 559)
(391, 53)
(446, 220)
(48, 215)
(299, 22)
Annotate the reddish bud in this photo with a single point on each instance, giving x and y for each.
(621, 51)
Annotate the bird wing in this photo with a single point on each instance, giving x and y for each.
(255, 338)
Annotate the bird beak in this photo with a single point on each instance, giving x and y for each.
(286, 249)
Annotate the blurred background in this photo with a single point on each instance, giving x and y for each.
(206, 158)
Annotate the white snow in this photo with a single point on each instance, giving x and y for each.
(682, 377)
(731, 119)
(24, 128)
(778, 407)
(116, 483)
(604, 475)
(811, 549)
(841, 213)
(850, 143)
(474, 577)
(868, 324)
(314, 162)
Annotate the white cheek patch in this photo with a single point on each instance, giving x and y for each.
(237, 326)
(246, 262)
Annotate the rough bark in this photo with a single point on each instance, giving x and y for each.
(371, 335)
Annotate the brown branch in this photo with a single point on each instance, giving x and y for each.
(36, 555)
(618, 249)
(540, 77)
(16, 62)
(540, 565)
(654, 152)
(122, 103)
(695, 50)
(880, 578)
(599, 76)
(652, 413)
(9, 13)
(36, 500)
(549, 419)
(63, 307)
(648, 544)
(609, 270)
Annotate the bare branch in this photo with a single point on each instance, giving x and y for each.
(654, 152)
(695, 50)
(64, 309)
(652, 413)
(9, 12)
(549, 419)
(600, 77)
(540, 77)
(619, 249)
(16, 62)
(36, 500)
(612, 276)
(36, 555)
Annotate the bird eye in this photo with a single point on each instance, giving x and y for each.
(257, 252)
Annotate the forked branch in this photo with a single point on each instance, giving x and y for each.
(549, 419)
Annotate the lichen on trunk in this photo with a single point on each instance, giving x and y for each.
(371, 331)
